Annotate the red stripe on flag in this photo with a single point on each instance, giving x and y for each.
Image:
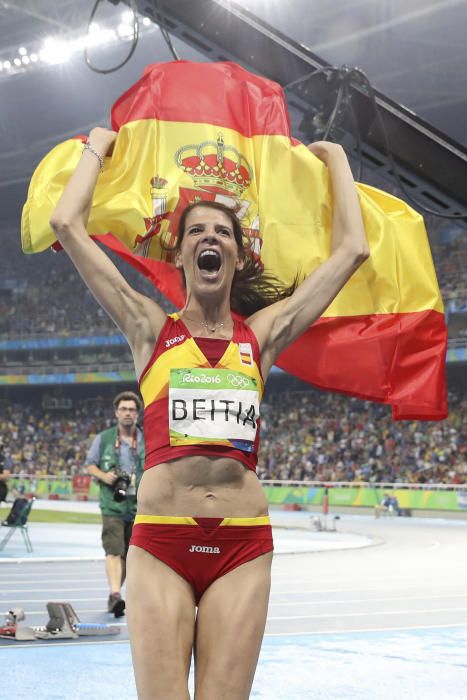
(220, 94)
(397, 359)
(163, 275)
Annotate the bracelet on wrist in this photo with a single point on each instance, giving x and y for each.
(87, 147)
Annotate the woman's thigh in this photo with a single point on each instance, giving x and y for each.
(161, 619)
(229, 631)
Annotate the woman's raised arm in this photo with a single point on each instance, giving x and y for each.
(138, 317)
(278, 325)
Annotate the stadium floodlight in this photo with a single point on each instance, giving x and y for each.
(58, 50)
(55, 51)
(98, 38)
(125, 30)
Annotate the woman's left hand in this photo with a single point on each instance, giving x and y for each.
(102, 140)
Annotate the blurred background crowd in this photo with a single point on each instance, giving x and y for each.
(46, 296)
(306, 434)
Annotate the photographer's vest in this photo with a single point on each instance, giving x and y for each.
(193, 407)
(109, 459)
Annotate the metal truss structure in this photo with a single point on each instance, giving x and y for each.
(432, 167)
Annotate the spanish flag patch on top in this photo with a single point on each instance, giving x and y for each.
(246, 354)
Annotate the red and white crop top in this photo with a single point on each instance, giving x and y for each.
(196, 407)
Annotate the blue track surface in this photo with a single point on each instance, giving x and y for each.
(428, 664)
(356, 622)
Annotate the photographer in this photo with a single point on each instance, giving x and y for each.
(116, 459)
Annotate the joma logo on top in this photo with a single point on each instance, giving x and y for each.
(173, 341)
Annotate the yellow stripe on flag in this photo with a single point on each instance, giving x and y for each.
(294, 212)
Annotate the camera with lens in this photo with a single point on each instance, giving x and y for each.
(121, 485)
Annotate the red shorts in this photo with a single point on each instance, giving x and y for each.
(202, 549)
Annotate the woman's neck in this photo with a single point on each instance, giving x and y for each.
(210, 318)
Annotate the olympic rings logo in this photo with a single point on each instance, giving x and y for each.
(237, 381)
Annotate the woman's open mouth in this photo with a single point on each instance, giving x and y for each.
(209, 261)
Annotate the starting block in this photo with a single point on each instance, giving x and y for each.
(63, 623)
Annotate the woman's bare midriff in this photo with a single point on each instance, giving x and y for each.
(201, 487)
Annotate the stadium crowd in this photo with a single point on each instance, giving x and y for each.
(46, 296)
(321, 436)
(306, 435)
(50, 299)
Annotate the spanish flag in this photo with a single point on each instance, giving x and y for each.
(190, 131)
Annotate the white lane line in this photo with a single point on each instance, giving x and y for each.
(20, 576)
(371, 577)
(65, 644)
(43, 560)
(53, 587)
(368, 579)
(52, 592)
(31, 581)
(294, 603)
(430, 611)
(294, 592)
(44, 577)
(23, 570)
(26, 574)
(368, 600)
(91, 611)
(267, 634)
(47, 600)
(316, 633)
(52, 576)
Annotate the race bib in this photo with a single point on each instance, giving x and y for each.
(213, 406)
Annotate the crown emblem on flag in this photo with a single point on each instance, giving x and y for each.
(213, 164)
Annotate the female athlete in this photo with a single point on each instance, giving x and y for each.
(200, 558)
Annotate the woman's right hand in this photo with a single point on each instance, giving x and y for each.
(102, 140)
(324, 150)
